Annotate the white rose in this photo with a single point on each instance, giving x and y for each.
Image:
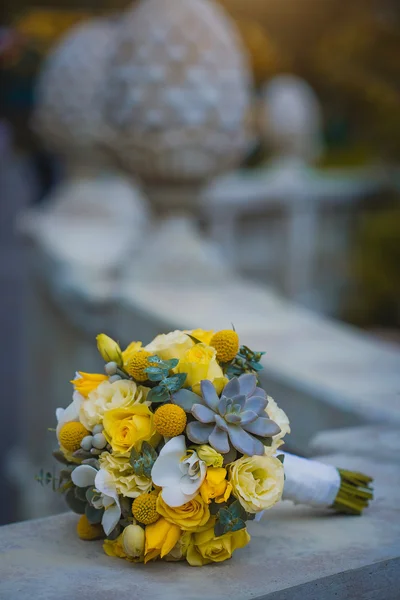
(257, 481)
(280, 417)
(120, 394)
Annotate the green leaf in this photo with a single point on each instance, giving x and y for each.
(157, 395)
(219, 529)
(92, 462)
(195, 340)
(115, 532)
(237, 525)
(172, 363)
(80, 493)
(126, 507)
(155, 359)
(281, 457)
(94, 515)
(77, 506)
(174, 383)
(185, 399)
(155, 373)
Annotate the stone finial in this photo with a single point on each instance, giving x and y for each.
(68, 115)
(179, 91)
(292, 118)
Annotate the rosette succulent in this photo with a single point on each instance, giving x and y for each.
(237, 418)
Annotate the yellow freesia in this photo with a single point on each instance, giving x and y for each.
(87, 382)
(191, 516)
(125, 428)
(215, 486)
(130, 351)
(200, 362)
(205, 548)
(109, 349)
(161, 538)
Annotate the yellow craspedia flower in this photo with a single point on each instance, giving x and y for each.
(87, 531)
(137, 364)
(170, 420)
(144, 509)
(87, 382)
(71, 434)
(226, 343)
(129, 351)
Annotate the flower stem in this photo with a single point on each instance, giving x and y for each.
(354, 493)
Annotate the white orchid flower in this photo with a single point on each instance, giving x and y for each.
(84, 476)
(69, 414)
(179, 474)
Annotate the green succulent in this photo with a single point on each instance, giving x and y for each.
(246, 361)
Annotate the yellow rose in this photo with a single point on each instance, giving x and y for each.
(109, 349)
(120, 394)
(199, 362)
(257, 481)
(87, 382)
(126, 481)
(129, 351)
(161, 538)
(201, 335)
(191, 516)
(211, 457)
(205, 548)
(125, 428)
(215, 486)
(170, 345)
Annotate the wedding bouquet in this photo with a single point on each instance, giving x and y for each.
(175, 447)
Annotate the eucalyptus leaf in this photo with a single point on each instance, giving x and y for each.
(185, 399)
(219, 529)
(92, 462)
(77, 506)
(81, 454)
(237, 525)
(94, 515)
(155, 359)
(158, 395)
(155, 373)
(172, 363)
(80, 493)
(58, 455)
(174, 383)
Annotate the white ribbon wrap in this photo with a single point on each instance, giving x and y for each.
(309, 481)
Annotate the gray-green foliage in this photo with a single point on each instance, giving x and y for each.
(159, 372)
(142, 462)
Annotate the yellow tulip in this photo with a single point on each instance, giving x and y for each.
(109, 349)
(161, 538)
(87, 382)
(215, 486)
(133, 541)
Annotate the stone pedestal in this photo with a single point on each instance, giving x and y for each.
(295, 553)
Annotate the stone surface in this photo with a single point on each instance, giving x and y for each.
(369, 441)
(295, 553)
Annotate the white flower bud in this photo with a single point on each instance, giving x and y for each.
(97, 429)
(114, 378)
(86, 443)
(99, 441)
(111, 368)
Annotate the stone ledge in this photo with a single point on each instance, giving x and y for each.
(295, 553)
(370, 441)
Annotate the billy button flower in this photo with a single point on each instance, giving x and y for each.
(144, 509)
(88, 531)
(137, 364)
(226, 343)
(71, 435)
(170, 420)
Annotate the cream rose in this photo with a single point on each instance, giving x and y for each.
(170, 345)
(126, 481)
(120, 394)
(257, 482)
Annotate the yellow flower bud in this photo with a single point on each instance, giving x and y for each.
(109, 349)
(211, 457)
(133, 541)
